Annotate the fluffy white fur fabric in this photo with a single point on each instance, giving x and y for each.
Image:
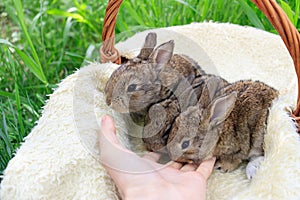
(58, 159)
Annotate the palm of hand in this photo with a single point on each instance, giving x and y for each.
(137, 177)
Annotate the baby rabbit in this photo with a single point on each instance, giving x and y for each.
(161, 116)
(231, 127)
(154, 75)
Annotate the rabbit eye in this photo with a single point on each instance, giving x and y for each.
(185, 144)
(131, 88)
(165, 136)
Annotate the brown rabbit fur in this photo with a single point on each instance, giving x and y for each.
(162, 115)
(152, 76)
(231, 127)
(165, 85)
(160, 87)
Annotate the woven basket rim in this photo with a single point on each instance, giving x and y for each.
(275, 14)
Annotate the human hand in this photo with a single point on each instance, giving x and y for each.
(142, 178)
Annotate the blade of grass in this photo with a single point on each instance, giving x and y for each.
(37, 66)
(254, 19)
(205, 9)
(28, 61)
(189, 6)
(134, 14)
(219, 6)
(288, 10)
(66, 32)
(144, 11)
(5, 137)
(19, 111)
(76, 16)
(155, 11)
(297, 12)
(3, 160)
(32, 65)
(11, 96)
(30, 109)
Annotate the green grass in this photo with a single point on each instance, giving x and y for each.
(47, 40)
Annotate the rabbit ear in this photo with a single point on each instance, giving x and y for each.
(163, 53)
(221, 108)
(210, 88)
(147, 49)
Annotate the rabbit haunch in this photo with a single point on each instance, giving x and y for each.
(231, 127)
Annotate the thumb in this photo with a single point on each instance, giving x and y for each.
(108, 141)
(108, 130)
(115, 157)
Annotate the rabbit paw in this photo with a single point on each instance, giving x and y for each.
(253, 166)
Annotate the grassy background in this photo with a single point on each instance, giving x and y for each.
(42, 42)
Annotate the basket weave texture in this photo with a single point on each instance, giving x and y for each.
(278, 18)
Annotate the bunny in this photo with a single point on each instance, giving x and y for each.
(151, 77)
(158, 123)
(161, 116)
(231, 127)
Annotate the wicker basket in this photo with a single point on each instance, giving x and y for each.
(287, 31)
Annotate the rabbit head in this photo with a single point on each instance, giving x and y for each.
(196, 131)
(136, 85)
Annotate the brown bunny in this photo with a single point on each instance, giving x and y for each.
(231, 127)
(151, 77)
(162, 115)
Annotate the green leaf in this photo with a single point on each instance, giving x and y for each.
(28, 61)
(297, 12)
(287, 9)
(188, 5)
(254, 19)
(21, 19)
(32, 65)
(75, 16)
(134, 14)
(11, 96)
(4, 136)
(19, 111)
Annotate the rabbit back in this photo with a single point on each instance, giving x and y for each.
(244, 129)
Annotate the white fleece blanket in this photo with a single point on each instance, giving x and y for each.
(58, 159)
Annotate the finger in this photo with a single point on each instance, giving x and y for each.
(152, 156)
(206, 167)
(188, 168)
(112, 153)
(108, 130)
(118, 160)
(107, 135)
(175, 165)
